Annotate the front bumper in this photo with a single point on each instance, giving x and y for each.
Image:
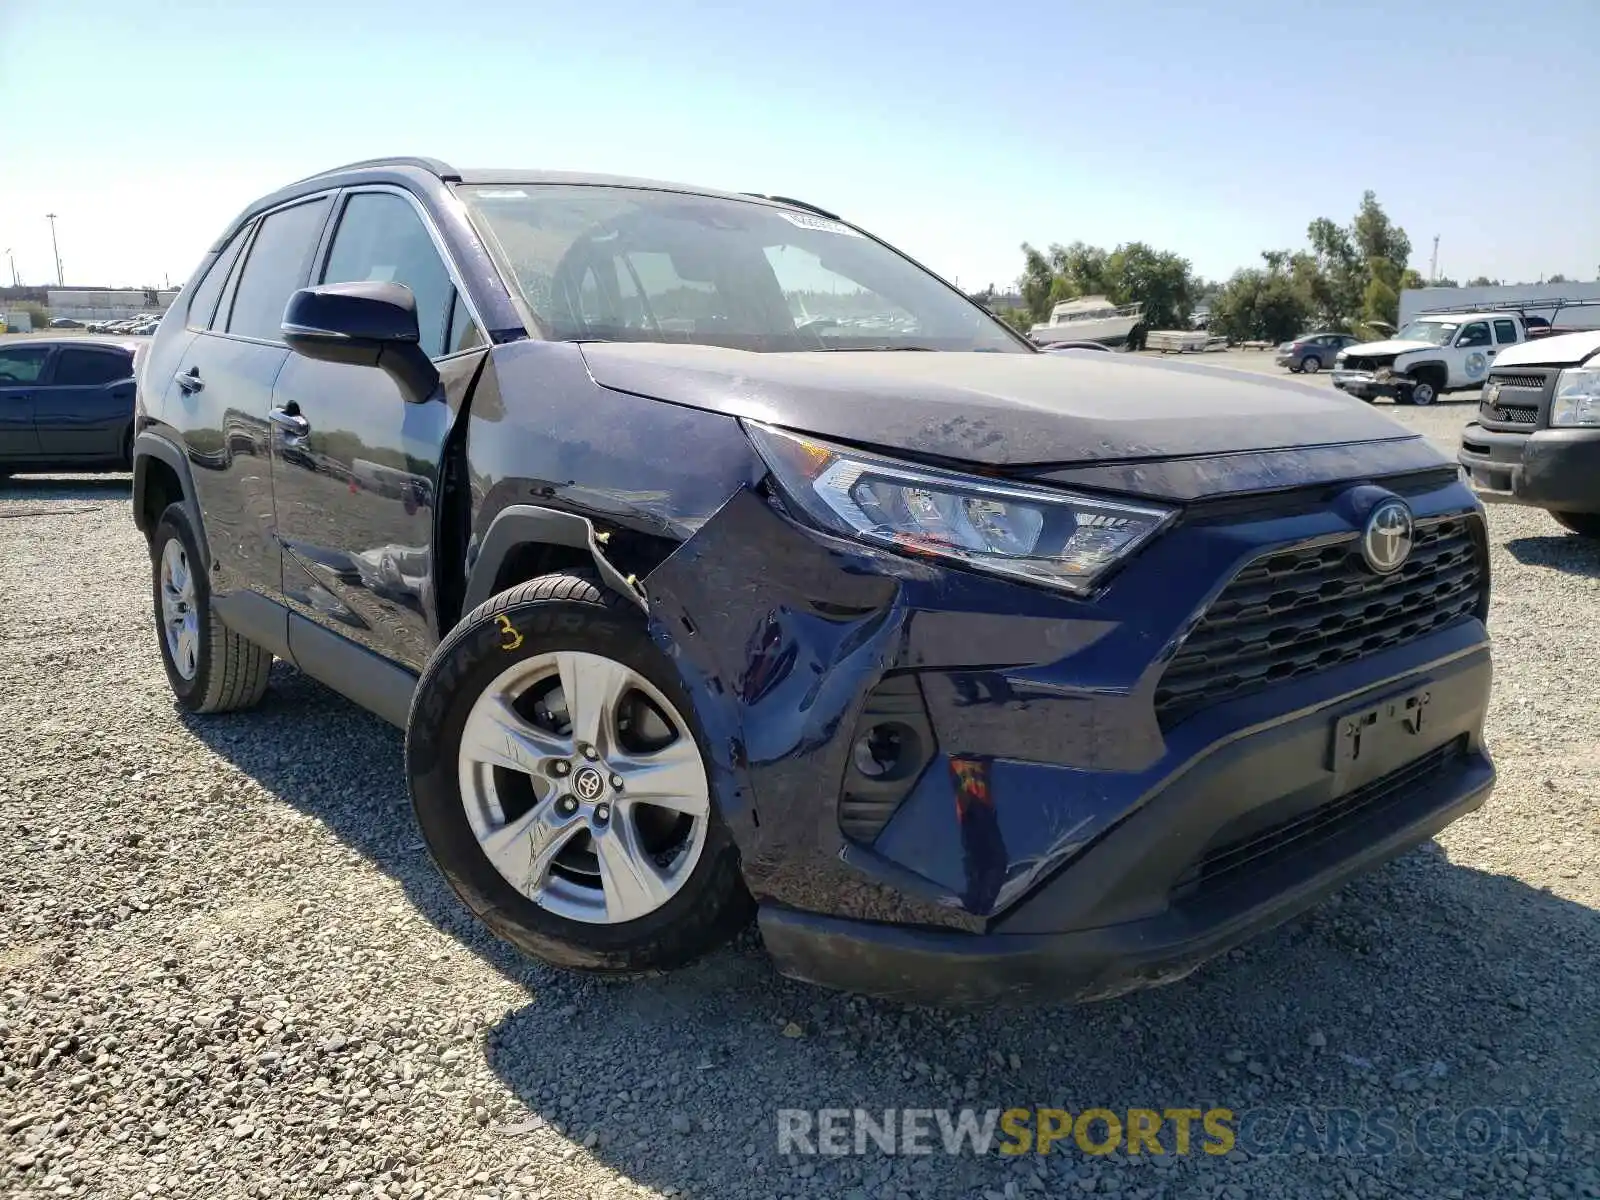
(1549, 468)
(1201, 867)
(1054, 834)
(1365, 383)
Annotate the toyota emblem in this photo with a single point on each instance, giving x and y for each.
(1386, 541)
(588, 784)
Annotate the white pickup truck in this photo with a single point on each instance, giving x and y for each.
(1436, 353)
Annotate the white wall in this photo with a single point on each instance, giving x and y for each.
(1414, 300)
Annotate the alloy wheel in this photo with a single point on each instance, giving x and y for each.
(180, 623)
(584, 787)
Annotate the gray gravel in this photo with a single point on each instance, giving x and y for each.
(228, 968)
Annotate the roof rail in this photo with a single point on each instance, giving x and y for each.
(1517, 306)
(793, 203)
(431, 165)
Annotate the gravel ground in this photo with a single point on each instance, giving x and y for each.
(228, 968)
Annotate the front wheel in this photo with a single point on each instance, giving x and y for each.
(1583, 524)
(562, 787)
(1311, 365)
(1423, 393)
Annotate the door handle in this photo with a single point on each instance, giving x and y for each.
(292, 423)
(189, 381)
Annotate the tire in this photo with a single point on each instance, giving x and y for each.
(1422, 392)
(1583, 524)
(520, 631)
(221, 671)
(1311, 364)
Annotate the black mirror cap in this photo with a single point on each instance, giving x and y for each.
(350, 322)
(363, 324)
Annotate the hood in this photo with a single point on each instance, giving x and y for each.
(1393, 346)
(1558, 350)
(998, 410)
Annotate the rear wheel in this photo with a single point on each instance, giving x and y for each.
(562, 788)
(211, 668)
(1584, 524)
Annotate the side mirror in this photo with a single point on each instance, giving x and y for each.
(363, 325)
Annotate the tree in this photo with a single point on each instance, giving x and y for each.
(1260, 305)
(1376, 236)
(1557, 278)
(1380, 303)
(1482, 281)
(1157, 279)
(38, 314)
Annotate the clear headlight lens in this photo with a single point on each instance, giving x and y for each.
(1577, 399)
(1059, 539)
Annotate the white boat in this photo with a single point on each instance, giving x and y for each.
(1088, 319)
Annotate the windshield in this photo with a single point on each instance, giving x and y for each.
(1435, 333)
(602, 263)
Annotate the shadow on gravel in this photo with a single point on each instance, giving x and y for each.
(1423, 985)
(1569, 554)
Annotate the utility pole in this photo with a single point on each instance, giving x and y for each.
(60, 279)
(1433, 267)
(15, 282)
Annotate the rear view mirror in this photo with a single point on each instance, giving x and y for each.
(365, 324)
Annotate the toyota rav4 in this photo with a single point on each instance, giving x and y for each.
(716, 557)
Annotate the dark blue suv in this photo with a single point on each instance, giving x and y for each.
(714, 556)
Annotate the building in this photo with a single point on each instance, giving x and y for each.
(1465, 299)
(107, 304)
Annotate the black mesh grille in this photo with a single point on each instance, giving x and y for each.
(1295, 612)
(1234, 858)
(1532, 383)
(1358, 362)
(1512, 414)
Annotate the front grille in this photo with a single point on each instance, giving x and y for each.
(1531, 383)
(1357, 362)
(1508, 408)
(1511, 414)
(1234, 858)
(1296, 612)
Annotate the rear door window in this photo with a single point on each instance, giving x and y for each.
(203, 303)
(279, 258)
(1505, 332)
(91, 368)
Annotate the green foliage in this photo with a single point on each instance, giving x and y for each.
(1348, 274)
(1132, 273)
(1380, 302)
(1261, 305)
(1557, 278)
(38, 313)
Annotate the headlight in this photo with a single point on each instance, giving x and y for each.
(1577, 399)
(1059, 539)
(1339, 358)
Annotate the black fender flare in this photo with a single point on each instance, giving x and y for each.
(524, 524)
(149, 445)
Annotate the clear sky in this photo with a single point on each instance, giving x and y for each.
(954, 129)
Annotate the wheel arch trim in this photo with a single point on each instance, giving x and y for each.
(519, 525)
(147, 445)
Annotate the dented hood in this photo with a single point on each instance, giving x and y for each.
(999, 410)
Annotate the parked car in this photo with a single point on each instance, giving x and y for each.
(1312, 352)
(1435, 354)
(1537, 437)
(65, 323)
(950, 656)
(66, 404)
